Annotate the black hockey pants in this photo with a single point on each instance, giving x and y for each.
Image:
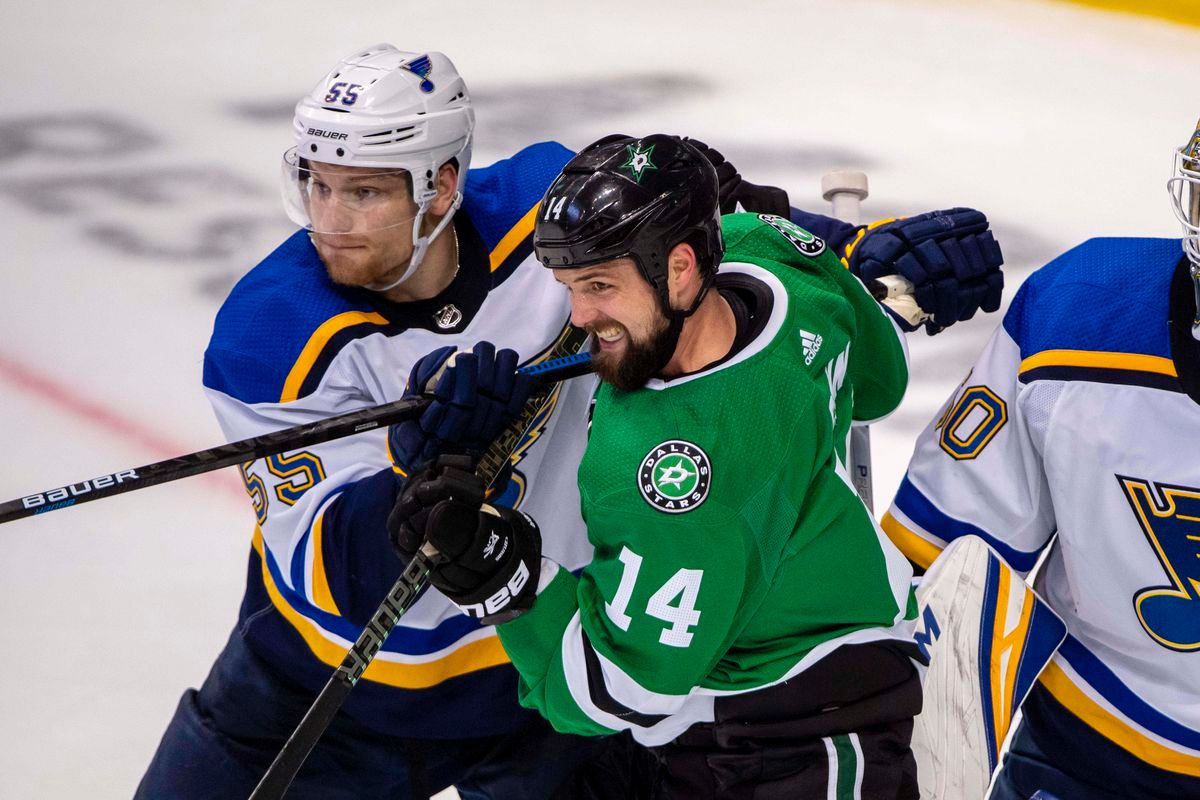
(840, 729)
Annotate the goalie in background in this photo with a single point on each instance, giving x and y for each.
(1081, 417)
(743, 616)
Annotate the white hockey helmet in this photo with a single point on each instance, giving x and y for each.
(1184, 186)
(390, 110)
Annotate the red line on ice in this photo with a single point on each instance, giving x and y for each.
(111, 422)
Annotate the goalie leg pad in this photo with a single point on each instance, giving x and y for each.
(988, 636)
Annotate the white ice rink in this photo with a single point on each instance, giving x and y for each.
(139, 148)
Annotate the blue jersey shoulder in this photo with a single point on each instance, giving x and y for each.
(274, 310)
(499, 196)
(267, 320)
(1107, 294)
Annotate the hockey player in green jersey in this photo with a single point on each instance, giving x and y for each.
(743, 615)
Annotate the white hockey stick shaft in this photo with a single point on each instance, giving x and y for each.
(845, 191)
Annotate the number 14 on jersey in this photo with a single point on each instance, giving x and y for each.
(684, 585)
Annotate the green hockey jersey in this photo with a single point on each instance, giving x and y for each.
(731, 550)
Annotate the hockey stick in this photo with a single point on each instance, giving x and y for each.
(268, 444)
(845, 191)
(279, 776)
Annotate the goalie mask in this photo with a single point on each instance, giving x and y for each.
(1184, 187)
(382, 122)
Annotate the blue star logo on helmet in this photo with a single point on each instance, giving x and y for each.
(639, 161)
(421, 66)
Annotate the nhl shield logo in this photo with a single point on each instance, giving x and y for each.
(448, 316)
(675, 476)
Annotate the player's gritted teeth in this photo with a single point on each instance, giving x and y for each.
(608, 335)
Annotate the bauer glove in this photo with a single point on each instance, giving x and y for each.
(949, 259)
(475, 396)
(488, 559)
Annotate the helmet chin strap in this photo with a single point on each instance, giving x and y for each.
(420, 243)
(676, 317)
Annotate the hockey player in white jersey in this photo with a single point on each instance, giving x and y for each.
(1081, 419)
(401, 250)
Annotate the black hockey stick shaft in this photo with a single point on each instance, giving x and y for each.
(268, 444)
(279, 776)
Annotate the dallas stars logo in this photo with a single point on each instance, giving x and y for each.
(639, 161)
(675, 476)
(801, 239)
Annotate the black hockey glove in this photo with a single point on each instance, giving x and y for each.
(488, 559)
(949, 257)
(734, 191)
(473, 400)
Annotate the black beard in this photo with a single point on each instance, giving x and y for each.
(641, 361)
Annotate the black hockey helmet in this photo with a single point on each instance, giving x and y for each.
(625, 197)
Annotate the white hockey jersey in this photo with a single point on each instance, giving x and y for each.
(289, 347)
(1082, 418)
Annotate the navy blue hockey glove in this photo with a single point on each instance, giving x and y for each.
(949, 257)
(474, 398)
(733, 190)
(488, 559)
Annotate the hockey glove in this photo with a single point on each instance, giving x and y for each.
(734, 191)
(949, 257)
(488, 559)
(475, 395)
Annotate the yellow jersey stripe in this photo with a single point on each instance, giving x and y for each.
(1113, 728)
(1099, 359)
(1180, 11)
(514, 237)
(848, 249)
(322, 597)
(392, 458)
(471, 657)
(316, 343)
(1004, 671)
(914, 548)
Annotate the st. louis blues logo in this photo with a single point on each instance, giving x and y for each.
(421, 66)
(674, 476)
(1169, 516)
(638, 161)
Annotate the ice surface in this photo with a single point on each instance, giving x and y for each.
(139, 146)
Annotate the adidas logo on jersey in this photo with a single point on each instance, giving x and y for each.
(812, 343)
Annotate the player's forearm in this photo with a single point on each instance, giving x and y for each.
(534, 642)
(532, 639)
(881, 379)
